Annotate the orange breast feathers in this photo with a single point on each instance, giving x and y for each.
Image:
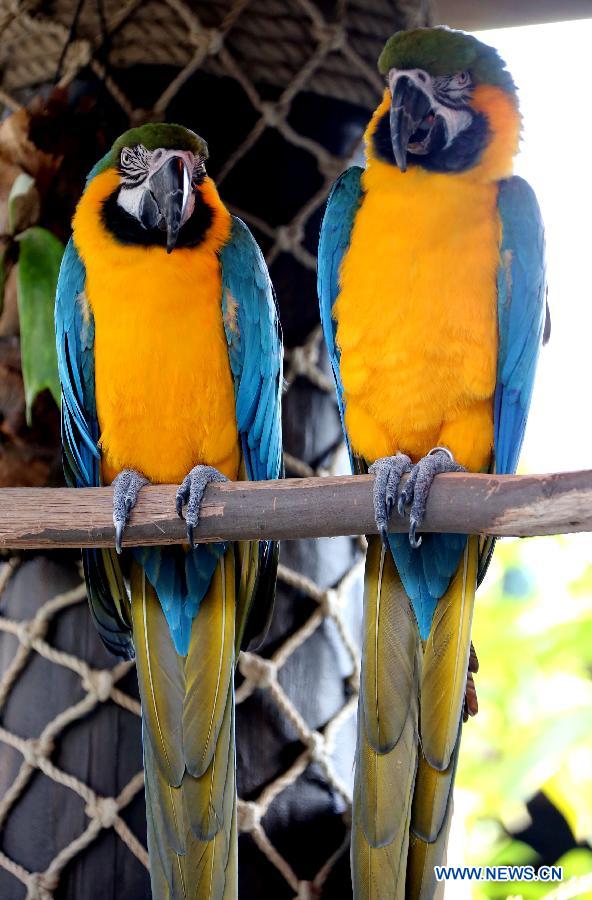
(417, 310)
(164, 390)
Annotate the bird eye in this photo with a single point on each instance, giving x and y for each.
(126, 157)
(199, 173)
(462, 79)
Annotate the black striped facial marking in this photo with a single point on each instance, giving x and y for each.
(453, 91)
(134, 165)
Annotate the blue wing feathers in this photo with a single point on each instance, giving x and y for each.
(74, 342)
(343, 203)
(521, 316)
(255, 351)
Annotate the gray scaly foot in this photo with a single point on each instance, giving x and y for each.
(387, 471)
(418, 485)
(126, 487)
(191, 492)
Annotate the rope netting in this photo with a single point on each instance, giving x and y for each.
(294, 45)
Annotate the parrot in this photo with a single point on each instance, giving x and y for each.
(170, 359)
(432, 292)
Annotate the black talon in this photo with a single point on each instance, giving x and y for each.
(190, 494)
(413, 540)
(119, 526)
(384, 537)
(401, 504)
(126, 488)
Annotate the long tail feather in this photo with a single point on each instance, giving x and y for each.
(189, 752)
(411, 700)
(443, 684)
(446, 660)
(386, 757)
(430, 821)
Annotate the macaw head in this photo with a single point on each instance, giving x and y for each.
(158, 197)
(449, 99)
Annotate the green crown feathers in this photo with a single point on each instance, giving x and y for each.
(442, 51)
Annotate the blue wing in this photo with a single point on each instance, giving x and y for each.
(256, 359)
(255, 352)
(521, 316)
(342, 206)
(75, 332)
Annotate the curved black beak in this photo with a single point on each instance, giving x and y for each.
(164, 201)
(409, 106)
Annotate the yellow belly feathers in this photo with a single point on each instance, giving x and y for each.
(164, 390)
(416, 316)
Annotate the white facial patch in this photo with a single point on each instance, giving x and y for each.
(129, 198)
(455, 119)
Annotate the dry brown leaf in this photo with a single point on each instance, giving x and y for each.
(9, 318)
(8, 175)
(18, 149)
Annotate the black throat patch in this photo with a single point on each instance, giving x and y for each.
(127, 230)
(464, 152)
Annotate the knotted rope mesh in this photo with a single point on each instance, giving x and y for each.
(292, 46)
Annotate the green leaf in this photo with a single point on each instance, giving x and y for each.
(23, 203)
(38, 268)
(576, 863)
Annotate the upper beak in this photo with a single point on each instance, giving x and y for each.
(165, 200)
(409, 106)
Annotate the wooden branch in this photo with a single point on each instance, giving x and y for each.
(522, 505)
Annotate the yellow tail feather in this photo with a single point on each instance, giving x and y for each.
(189, 749)
(408, 730)
(386, 757)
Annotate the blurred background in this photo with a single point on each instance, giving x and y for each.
(276, 87)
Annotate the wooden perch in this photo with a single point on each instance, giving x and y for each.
(37, 518)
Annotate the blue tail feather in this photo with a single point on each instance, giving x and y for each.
(181, 579)
(426, 572)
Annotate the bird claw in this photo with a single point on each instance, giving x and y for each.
(387, 471)
(126, 488)
(418, 486)
(190, 494)
(471, 703)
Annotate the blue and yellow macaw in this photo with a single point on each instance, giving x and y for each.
(431, 284)
(170, 359)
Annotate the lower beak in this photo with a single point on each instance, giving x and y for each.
(409, 106)
(166, 198)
